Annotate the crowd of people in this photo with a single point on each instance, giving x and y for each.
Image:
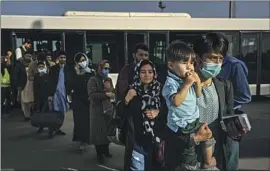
(172, 113)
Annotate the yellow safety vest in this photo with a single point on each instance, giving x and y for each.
(5, 80)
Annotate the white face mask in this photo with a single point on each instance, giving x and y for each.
(42, 70)
(83, 64)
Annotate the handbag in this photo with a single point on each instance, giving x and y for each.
(160, 152)
(116, 127)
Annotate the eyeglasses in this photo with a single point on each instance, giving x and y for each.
(106, 68)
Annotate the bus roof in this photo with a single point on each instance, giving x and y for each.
(125, 14)
(130, 21)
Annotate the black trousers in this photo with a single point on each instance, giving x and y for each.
(102, 149)
(5, 99)
(173, 150)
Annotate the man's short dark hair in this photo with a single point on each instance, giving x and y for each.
(28, 41)
(141, 46)
(179, 51)
(211, 43)
(61, 52)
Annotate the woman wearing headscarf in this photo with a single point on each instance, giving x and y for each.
(98, 121)
(142, 108)
(80, 104)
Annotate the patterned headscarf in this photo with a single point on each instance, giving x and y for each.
(150, 97)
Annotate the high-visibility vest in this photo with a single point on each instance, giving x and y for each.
(5, 80)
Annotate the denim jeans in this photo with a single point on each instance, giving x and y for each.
(137, 161)
(232, 154)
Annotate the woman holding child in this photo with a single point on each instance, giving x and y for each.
(187, 139)
(98, 120)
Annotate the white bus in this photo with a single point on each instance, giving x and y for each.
(112, 36)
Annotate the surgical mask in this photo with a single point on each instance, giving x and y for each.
(83, 64)
(210, 70)
(42, 70)
(105, 72)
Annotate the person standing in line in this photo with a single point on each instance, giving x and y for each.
(59, 93)
(80, 102)
(98, 120)
(41, 89)
(126, 75)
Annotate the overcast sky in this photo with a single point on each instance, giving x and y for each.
(255, 9)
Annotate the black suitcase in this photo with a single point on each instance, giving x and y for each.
(48, 119)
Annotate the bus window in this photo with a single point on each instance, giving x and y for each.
(233, 39)
(265, 49)
(249, 50)
(106, 45)
(157, 44)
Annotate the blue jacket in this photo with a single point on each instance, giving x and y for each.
(236, 71)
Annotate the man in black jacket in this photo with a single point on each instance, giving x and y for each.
(59, 93)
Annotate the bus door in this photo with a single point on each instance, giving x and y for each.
(74, 43)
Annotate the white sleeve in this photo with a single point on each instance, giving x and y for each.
(18, 53)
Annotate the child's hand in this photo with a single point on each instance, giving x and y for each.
(190, 78)
(196, 76)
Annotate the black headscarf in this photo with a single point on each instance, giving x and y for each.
(150, 97)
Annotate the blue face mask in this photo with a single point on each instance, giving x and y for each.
(210, 70)
(105, 71)
(83, 64)
(42, 70)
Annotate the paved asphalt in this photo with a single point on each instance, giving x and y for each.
(24, 149)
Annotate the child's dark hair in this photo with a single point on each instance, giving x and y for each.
(179, 51)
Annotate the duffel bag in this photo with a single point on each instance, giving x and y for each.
(47, 118)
